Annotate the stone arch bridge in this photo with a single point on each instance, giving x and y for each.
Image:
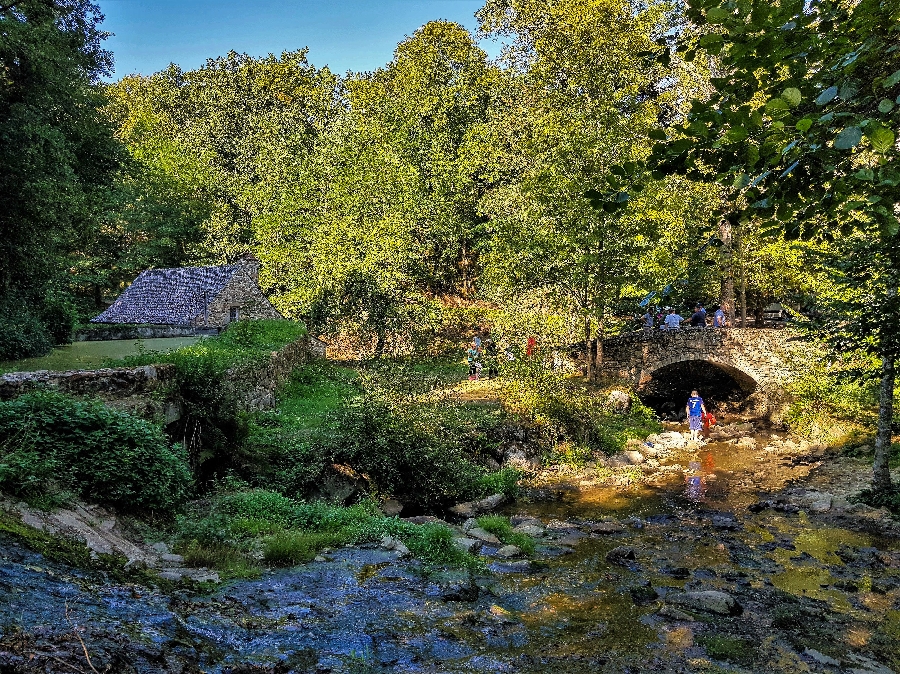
(759, 360)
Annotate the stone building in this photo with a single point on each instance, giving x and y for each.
(199, 297)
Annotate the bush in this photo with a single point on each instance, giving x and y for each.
(212, 422)
(574, 412)
(22, 334)
(60, 317)
(51, 442)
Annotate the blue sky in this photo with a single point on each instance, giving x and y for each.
(345, 35)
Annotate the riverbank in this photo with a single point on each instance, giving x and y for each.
(752, 568)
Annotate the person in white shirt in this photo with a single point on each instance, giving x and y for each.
(673, 321)
(719, 318)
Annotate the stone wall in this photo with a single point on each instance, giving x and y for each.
(758, 360)
(112, 382)
(241, 292)
(255, 387)
(101, 334)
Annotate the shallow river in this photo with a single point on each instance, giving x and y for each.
(809, 594)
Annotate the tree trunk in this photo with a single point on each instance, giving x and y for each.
(379, 345)
(881, 472)
(726, 261)
(743, 302)
(600, 334)
(588, 359)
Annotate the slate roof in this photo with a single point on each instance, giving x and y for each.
(169, 296)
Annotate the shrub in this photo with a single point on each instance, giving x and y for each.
(59, 316)
(49, 441)
(212, 422)
(22, 333)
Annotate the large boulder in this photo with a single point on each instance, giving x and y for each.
(709, 601)
(476, 508)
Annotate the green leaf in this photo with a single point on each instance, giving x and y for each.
(792, 96)
(891, 80)
(827, 96)
(657, 134)
(848, 138)
(882, 139)
(735, 135)
(776, 107)
(804, 125)
(741, 181)
(885, 106)
(864, 174)
(717, 15)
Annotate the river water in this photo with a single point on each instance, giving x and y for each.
(810, 593)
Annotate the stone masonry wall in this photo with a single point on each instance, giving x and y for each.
(112, 382)
(243, 292)
(759, 360)
(256, 387)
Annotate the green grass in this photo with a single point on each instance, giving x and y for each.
(501, 528)
(88, 355)
(229, 561)
(291, 532)
(290, 548)
(313, 392)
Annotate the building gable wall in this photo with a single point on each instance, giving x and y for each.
(242, 293)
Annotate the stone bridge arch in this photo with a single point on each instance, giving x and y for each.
(759, 360)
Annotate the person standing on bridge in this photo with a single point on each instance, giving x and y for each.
(719, 318)
(673, 321)
(696, 410)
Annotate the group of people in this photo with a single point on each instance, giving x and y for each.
(673, 321)
(481, 352)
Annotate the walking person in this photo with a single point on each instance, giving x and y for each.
(472, 355)
(696, 410)
(490, 356)
(673, 321)
(648, 320)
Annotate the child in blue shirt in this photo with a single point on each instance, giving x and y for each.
(695, 410)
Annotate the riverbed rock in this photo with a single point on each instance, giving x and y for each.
(466, 591)
(821, 658)
(470, 545)
(710, 601)
(530, 530)
(391, 543)
(171, 559)
(621, 555)
(392, 507)
(475, 508)
(509, 551)
(672, 439)
(482, 535)
(470, 523)
(606, 528)
(818, 502)
(519, 566)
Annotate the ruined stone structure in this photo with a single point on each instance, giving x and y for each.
(759, 361)
(200, 297)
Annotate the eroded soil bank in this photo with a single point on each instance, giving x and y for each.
(735, 556)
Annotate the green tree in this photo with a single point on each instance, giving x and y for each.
(58, 154)
(579, 101)
(802, 129)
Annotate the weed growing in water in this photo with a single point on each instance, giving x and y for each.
(501, 528)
